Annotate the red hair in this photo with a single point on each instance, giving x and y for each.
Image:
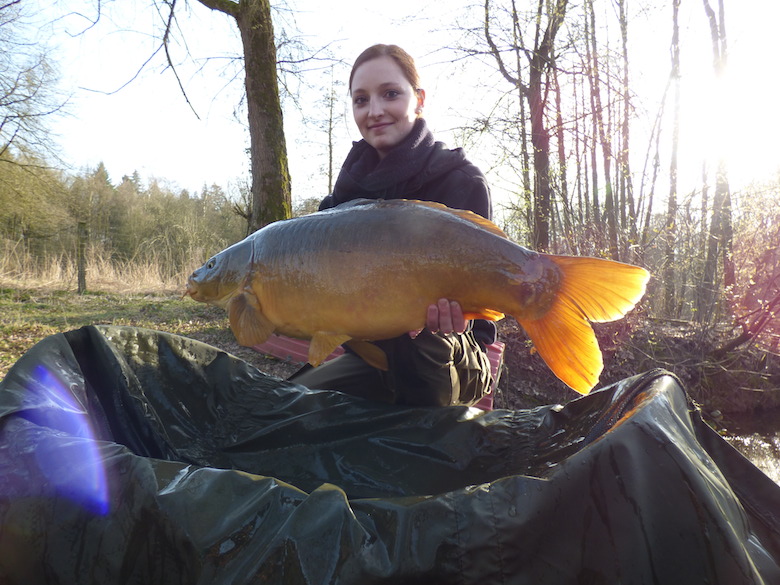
(402, 58)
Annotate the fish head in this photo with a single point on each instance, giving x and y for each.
(222, 276)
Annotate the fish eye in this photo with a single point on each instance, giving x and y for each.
(211, 264)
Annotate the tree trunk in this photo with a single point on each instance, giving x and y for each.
(540, 61)
(626, 184)
(540, 142)
(332, 100)
(82, 236)
(670, 229)
(526, 159)
(646, 202)
(581, 150)
(702, 291)
(568, 228)
(594, 171)
(604, 139)
(535, 93)
(271, 198)
(720, 233)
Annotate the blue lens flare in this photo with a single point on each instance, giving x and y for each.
(70, 458)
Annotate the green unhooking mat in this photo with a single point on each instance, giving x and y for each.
(133, 456)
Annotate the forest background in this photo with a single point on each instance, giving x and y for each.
(606, 127)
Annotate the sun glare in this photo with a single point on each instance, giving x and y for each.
(734, 116)
(73, 464)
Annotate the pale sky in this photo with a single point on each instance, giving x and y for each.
(148, 127)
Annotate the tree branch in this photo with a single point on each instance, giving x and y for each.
(166, 37)
(129, 81)
(497, 54)
(228, 7)
(9, 4)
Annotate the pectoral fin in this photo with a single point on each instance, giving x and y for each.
(372, 354)
(247, 321)
(322, 345)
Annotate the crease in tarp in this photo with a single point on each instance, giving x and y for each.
(216, 473)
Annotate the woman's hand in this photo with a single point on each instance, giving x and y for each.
(445, 316)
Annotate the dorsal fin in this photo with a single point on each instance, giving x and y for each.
(474, 218)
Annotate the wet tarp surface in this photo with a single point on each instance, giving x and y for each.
(132, 456)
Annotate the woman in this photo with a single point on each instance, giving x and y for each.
(398, 158)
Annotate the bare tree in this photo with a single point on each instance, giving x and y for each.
(719, 239)
(271, 198)
(627, 203)
(325, 119)
(670, 228)
(28, 93)
(539, 57)
(603, 135)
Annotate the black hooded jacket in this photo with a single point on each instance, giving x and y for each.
(418, 168)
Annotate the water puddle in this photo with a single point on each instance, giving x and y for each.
(757, 437)
(762, 449)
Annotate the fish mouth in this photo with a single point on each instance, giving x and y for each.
(205, 294)
(191, 291)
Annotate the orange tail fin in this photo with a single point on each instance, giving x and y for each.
(592, 289)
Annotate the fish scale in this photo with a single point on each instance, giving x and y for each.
(367, 270)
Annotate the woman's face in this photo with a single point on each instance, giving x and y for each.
(384, 103)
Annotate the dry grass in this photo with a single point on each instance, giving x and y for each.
(29, 314)
(19, 269)
(38, 298)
